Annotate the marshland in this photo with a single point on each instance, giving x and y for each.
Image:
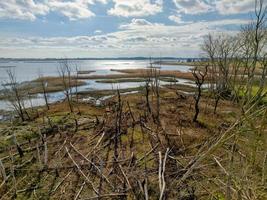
(150, 128)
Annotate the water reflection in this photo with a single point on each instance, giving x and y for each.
(29, 70)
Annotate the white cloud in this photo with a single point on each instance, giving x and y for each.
(25, 10)
(226, 7)
(176, 18)
(223, 7)
(72, 9)
(30, 9)
(82, 9)
(139, 37)
(136, 8)
(225, 22)
(137, 23)
(140, 22)
(193, 6)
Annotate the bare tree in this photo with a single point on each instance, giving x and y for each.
(147, 88)
(44, 85)
(252, 52)
(15, 96)
(256, 31)
(263, 63)
(65, 74)
(199, 80)
(76, 88)
(222, 52)
(157, 90)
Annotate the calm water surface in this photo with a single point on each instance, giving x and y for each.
(30, 70)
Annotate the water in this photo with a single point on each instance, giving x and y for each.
(27, 71)
(100, 100)
(30, 70)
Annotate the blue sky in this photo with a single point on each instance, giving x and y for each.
(115, 28)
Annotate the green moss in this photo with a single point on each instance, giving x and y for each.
(124, 138)
(220, 197)
(4, 143)
(204, 122)
(138, 135)
(57, 119)
(29, 135)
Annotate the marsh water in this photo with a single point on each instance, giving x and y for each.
(30, 70)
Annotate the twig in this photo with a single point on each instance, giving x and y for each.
(195, 162)
(4, 181)
(55, 189)
(106, 196)
(81, 189)
(38, 154)
(140, 159)
(3, 171)
(100, 139)
(45, 151)
(81, 172)
(99, 171)
(220, 165)
(125, 176)
(264, 169)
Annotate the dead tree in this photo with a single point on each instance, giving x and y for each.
(19, 149)
(157, 91)
(65, 74)
(222, 51)
(199, 80)
(44, 85)
(117, 127)
(257, 32)
(15, 96)
(76, 88)
(255, 38)
(147, 89)
(263, 63)
(235, 60)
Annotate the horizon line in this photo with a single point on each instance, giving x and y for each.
(100, 58)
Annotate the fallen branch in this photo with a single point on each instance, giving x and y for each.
(106, 196)
(81, 172)
(99, 171)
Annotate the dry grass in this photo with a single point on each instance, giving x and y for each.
(139, 143)
(140, 73)
(54, 84)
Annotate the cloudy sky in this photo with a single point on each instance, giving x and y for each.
(115, 28)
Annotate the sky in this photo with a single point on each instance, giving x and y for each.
(115, 28)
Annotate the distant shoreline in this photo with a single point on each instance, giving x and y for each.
(2, 60)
